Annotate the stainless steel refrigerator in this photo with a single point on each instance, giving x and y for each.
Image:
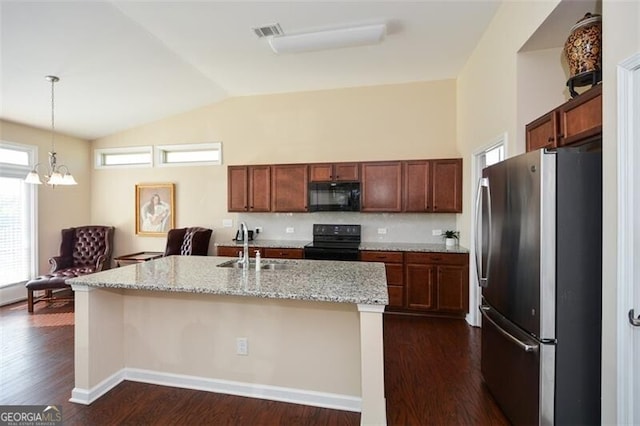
(539, 263)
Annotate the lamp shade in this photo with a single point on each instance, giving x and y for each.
(331, 39)
(33, 178)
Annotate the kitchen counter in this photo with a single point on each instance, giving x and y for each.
(375, 246)
(413, 247)
(310, 334)
(294, 244)
(340, 282)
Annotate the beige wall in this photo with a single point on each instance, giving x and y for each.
(488, 87)
(63, 206)
(405, 121)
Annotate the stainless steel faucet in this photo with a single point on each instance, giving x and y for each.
(245, 245)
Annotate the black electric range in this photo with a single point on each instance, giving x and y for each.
(334, 242)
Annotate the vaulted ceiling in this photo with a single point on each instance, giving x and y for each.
(125, 63)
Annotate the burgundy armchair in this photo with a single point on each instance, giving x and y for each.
(192, 241)
(83, 250)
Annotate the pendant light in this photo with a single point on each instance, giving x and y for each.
(56, 174)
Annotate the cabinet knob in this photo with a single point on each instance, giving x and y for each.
(560, 136)
(550, 139)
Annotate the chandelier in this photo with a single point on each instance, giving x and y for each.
(56, 174)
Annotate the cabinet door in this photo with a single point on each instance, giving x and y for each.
(420, 283)
(228, 251)
(259, 188)
(581, 117)
(381, 187)
(237, 189)
(346, 172)
(283, 253)
(446, 189)
(320, 172)
(453, 289)
(417, 185)
(542, 132)
(289, 188)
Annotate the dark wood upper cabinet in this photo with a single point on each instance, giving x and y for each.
(576, 121)
(249, 188)
(381, 187)
(446, 192)
(433, 186)
(581, 118)
(422, 186)
(289, 188)
(334, 172)
(543, 133)
(238, 188)
(417, 186)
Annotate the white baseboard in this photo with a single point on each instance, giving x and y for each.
(87, 396)
(251, 390)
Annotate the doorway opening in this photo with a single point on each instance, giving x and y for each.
(489, 154)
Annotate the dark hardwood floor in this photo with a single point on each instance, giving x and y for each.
(432, 377)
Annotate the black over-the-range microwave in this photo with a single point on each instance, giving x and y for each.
(334, 196)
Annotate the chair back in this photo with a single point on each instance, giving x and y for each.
(88, 246)
(192, 241)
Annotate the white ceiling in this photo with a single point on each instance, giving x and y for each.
(125, 63)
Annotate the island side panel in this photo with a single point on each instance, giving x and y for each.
(304, 345)
(99, 340)
(372, 364)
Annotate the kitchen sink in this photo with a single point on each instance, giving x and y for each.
(266, 266)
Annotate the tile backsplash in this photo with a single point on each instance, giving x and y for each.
(376, 227)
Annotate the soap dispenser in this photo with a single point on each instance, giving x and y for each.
(257, 260)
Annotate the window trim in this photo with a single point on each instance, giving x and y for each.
(20, 172)
(100, 153)
(161, 150)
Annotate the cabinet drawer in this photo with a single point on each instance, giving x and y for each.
(234, 251)
(437, 258)
(381, 256)
(283, 253)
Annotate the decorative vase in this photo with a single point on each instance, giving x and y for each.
(583, 50)
(449, 242)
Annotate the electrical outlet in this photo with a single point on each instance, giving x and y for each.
(242, 346)
(436, 232)
(382, 230)
(258, 229)
(289, 230)
(227, 223)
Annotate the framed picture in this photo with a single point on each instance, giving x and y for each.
(155, 213)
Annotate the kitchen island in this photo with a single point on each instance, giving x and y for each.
(313, 330)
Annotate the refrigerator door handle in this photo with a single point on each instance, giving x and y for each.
(522, 345)
(482, 278)
(633, 320)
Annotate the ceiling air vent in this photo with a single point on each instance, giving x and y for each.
(268, 30)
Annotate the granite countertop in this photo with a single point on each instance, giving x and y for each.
(436, 248)
(375, 246)
(327, 281)
(267, 243)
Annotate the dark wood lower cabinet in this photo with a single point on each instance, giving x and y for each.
(437, 282)
(267, 253)
(283, 253)
(418, 282)
(394, 268)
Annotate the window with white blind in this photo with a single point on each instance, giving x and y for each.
(17, 214)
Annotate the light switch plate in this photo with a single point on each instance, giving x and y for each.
(436, 232)
(227, 223)
(382, 231)
(289, 230)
